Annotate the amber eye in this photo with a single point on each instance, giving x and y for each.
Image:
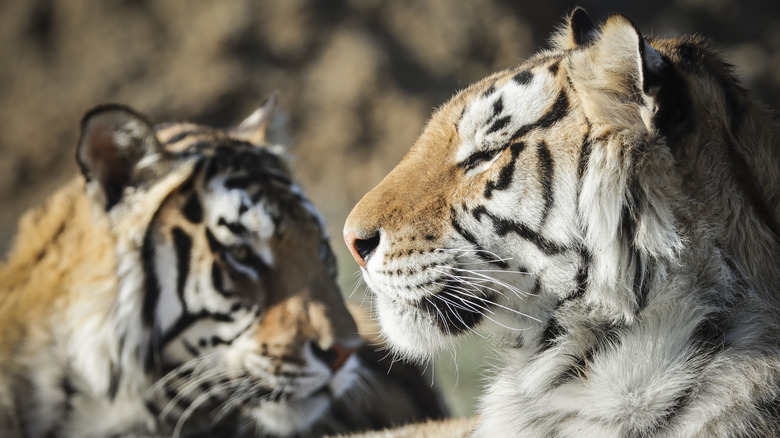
(239, 253)
(478, 158)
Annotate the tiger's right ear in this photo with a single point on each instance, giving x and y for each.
(266, 126)
(118, 149)
(577, 32)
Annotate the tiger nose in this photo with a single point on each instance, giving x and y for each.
(361, 248)
(335, 356)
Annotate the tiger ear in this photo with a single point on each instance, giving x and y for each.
(620, 75)
(118, 149)
(263, 127)
(577, 32)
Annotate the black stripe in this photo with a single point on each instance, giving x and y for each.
(480, 251)
(523, 78)
(642, 279)
(498, 124)
(240, 182)
(586, 259)
(216, 280)
(193, 210)
(505, 176)
(555, 113)
(498, 107)
(214, 244)
(180, 136)
(553, 68)
(190, 348)
(151, 283)
(607, 336)
(234, 227)
(585, 150)
(490, 90)
(183, 245)
(187, 320)
(575, 370)
(503, 227)
(552, 331)
(546, 178)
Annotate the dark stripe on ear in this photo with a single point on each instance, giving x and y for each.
(498, 107)
(192, 209)
(505, 176)
(523, 78)
(553, 68)
(503, 227)
(182, 242)
(555, 113)
(498, 124)
(545, 178)
(180, 136)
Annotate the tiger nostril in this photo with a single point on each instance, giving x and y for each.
(361, 248)
(365, 247)
(334, 357)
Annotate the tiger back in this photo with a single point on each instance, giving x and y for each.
(609, 211)
(183, 286)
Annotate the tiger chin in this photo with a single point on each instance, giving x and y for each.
(608, 212)
(183, 285)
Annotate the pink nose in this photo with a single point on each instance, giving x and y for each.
(335, 356)
(361, 248)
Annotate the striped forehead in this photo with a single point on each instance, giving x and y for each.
(235, 209)
(494, 117)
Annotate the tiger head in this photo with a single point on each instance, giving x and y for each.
(229, 266)
(547, 184)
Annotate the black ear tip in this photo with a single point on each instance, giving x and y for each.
(583, 30)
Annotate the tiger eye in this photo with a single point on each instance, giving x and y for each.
(239, 252)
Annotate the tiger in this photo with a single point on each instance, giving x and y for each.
(183, 285)
(606, 216)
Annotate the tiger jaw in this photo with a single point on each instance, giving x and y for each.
(286, 414)
(428, 298)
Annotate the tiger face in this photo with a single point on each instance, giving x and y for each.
(238, 293)
(519, 195)
(469, 225)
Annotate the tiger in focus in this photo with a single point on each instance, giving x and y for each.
(184, 285)
(609, 213)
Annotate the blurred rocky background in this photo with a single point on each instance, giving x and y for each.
(357, 78)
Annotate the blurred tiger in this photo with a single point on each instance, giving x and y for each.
(610, 212)
(184, 286)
